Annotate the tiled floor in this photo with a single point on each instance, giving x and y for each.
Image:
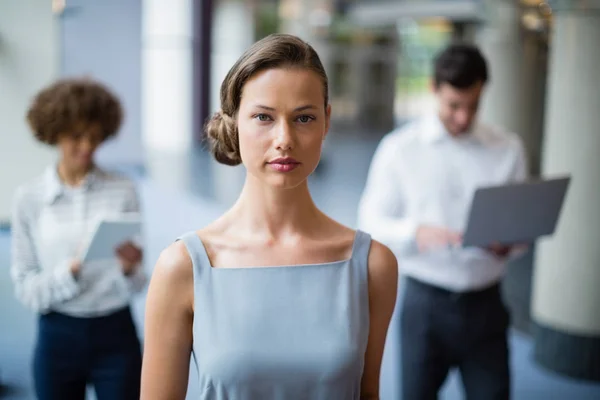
(180, 196)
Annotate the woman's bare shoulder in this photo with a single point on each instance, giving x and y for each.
(174, 264)
(382, 262)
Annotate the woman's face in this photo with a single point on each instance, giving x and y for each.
(78, 145)
(282, 123)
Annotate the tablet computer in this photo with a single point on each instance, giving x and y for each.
(515, 213)
(109, 234)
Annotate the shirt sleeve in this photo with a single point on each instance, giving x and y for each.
(137, 280)
(382, 208)
(37, 289)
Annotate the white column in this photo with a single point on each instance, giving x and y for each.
(500, 41)
(233, 33)
(514, 98)
(167, 75)
(167, 97)
(566, 299)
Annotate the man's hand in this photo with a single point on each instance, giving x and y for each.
(431, 237)
(129, 256)
(499, 250)
(75, 267)
(503, 251)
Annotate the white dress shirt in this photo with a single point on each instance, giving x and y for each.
(422, 175)
(50, 223)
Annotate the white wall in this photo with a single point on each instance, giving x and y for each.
(28, 61)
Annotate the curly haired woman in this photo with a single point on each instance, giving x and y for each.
(86, 334)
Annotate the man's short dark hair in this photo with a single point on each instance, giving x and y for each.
(461, 66)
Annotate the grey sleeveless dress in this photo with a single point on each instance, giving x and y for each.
(280, 333)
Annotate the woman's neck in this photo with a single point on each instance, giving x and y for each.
(275, 212)
(72, 176)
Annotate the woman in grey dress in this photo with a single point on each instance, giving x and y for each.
(275, 300)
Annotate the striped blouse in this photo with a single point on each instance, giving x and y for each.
(50, 222)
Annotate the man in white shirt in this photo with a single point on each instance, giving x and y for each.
(416, 201)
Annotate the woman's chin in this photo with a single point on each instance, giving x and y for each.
(285, 181)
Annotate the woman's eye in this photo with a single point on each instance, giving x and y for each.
(304, 119)
(263, 117)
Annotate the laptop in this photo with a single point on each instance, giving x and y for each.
(515, 213)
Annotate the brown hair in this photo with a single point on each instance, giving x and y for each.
(57, 108)
(274, 51)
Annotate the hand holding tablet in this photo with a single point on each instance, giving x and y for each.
(109, 235)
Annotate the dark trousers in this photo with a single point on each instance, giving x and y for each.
(441, 330)
(73, 352)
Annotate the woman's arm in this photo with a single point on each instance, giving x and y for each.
(168, 327)
(383, 286)
(39, 290)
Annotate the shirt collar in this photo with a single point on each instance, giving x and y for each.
(55, 187)
(434, 131)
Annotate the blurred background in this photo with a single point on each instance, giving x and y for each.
(166, 60)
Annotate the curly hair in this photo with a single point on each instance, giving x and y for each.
(56, 109)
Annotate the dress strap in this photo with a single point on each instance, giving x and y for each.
(197, 252)
(360, 251)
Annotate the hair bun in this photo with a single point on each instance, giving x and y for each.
(221, 131)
